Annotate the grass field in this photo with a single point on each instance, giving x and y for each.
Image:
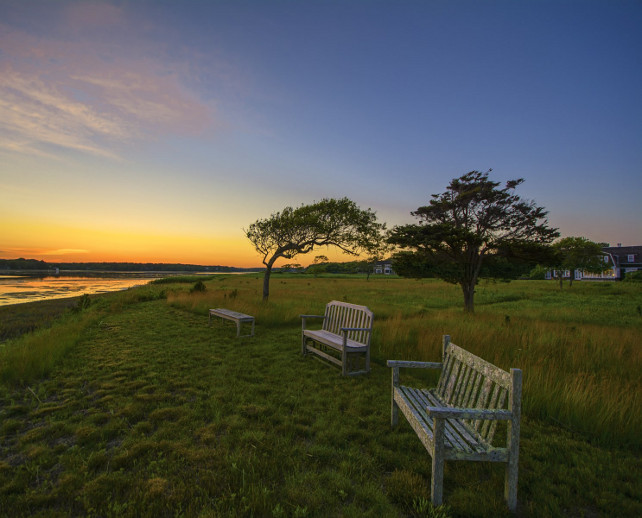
(136, 407)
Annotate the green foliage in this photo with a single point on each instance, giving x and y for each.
(83, 302)
(412, 265)
(634, 276)
(183, 279)
(473, 223)
(199, 287)
(18, 319)
(538, 273)
(577, 253)
(23, 264)
(330, 222)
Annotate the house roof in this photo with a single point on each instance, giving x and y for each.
(621, 253)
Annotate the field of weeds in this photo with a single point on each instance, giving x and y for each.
(135, 406)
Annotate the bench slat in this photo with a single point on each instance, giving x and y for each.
(473, 440)
(459, 443)
(455, 436)
(460, 386)
(489, 433)
(445, 373)
(473, 387)
(486, 368)
(334, 341)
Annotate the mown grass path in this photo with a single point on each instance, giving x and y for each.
(155, 413)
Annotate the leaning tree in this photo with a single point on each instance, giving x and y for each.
(329, 222)
(472, 221)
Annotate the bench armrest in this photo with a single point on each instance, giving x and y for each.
(414, 365)
(304, 317)
(469, 413)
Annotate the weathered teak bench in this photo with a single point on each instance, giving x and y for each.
(239, 318)
(457, 419)
(346, 329)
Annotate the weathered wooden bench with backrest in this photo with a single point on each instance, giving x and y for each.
(346, 330)
(458, 418)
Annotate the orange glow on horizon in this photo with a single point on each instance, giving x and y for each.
(55, 243)
(58, 243)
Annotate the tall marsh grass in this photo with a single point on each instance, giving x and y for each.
(579, 349)
(34, 355)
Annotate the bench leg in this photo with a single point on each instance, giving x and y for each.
(510, 489)
(437, 480)
(344, 362)
(394, 408)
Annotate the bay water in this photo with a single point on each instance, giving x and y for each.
(15, 289)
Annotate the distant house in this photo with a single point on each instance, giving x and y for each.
(624, 259)
(618, 261)
(383, 267)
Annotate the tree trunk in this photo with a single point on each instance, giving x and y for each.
(469, 297)
(266, 283)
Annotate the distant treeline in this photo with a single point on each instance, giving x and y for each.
(34, 264)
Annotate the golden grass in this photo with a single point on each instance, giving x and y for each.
(579, 349)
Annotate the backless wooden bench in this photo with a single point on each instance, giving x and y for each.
(457, 419)
(346, 329)
(234, 316)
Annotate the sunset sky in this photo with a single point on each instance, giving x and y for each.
(155, 131)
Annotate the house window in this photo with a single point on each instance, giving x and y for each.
(631, 258)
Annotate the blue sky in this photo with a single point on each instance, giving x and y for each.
(156, 131)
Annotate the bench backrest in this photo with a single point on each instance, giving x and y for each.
(341, 314)
(468, 381)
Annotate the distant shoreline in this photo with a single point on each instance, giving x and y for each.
(27, 265)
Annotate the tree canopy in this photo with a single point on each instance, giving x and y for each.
(577, 253)
(473, 221)
(329, 222)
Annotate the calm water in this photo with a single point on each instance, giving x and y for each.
(15, 289)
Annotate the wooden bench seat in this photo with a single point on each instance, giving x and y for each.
(234, 316)
(346, 330)
(457, 419)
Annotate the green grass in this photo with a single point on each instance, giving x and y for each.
(149, 411)
(17, 319)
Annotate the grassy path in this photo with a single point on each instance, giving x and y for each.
(154, 413)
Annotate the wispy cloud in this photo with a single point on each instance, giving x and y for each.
(15, 252)
(65, 251)
(90, 94)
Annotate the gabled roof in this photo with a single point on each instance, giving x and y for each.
(623, 250)
(621, 253)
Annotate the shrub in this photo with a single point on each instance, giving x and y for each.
(538, 273)
(634, 276)
(199, 287)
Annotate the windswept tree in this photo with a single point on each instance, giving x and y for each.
(472, 221)
(329, 222)
(577, 253)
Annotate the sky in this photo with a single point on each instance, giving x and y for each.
(156, 131)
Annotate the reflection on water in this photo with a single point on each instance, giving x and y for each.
(17, 289)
